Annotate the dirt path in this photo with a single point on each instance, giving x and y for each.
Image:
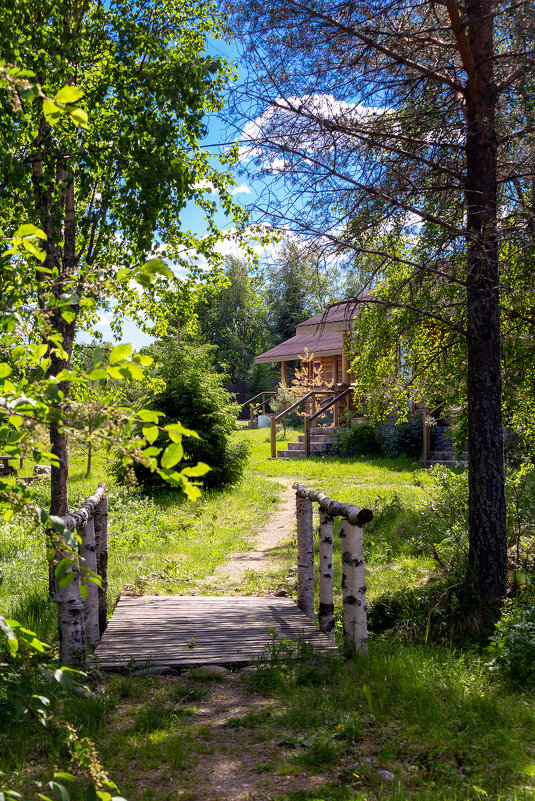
(274, 533)
(227, 748)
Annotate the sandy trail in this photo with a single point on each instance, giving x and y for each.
(274, 533)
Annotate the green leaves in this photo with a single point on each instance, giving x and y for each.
(150, 433)
(69, 94)
(151, 269)
(198, 470)
(61, 105)
(176, 431)
(9, 636)
(24, 241)
(120, 352)
(172, 455)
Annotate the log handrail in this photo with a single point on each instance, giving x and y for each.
(325, 406)
(258, 395)
(301, 400)
(82, 622)
(262, 404)
(275, 419)
(353, 578)
(309, 418)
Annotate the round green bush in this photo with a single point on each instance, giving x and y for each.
(193, 394)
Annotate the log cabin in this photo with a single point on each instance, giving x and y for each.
(323, 335)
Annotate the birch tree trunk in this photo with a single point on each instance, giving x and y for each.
(354, 588)
(101, 542)
(326, 578)
(305, 556)
(71, 624)
(88, 559)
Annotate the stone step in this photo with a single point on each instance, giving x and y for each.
(299, 452)
(290, 454)
(315, 447)
(445, 463)
(329, 439)
(448, 456)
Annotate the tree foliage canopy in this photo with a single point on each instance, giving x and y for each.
(385, 123)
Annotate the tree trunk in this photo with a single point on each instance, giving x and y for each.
(326, 577)
(305, 556)
(354, 588)
(89, 451)
(488, 539)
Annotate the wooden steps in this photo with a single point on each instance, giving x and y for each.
(446, 457)
(321, 442)
(201, 630)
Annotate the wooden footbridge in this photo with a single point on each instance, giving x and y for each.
(181, 631)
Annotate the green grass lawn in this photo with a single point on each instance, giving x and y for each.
(432, 715)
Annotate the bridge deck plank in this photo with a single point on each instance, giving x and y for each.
(200, 630)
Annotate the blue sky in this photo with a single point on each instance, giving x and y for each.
(191, 217)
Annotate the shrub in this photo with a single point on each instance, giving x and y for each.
(193, 394)
(444, 610)
(440, 528)
(512, 646)
(359, 440)
(402, 438)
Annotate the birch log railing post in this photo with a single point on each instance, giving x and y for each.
(305, 556)
(353, 576)
(88, 557)
(354, 587)
(325, 568)
(78, 621)
(101, 542)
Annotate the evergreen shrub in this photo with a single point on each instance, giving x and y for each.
(359, 440)
(193, 394)
(403, 438)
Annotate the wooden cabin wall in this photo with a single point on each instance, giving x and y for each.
(327, 364)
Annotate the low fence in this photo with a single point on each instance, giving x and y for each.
(352, 523)
(82, 620)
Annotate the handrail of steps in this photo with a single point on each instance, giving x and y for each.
(309, 418)
(261, 405)
(275, 418)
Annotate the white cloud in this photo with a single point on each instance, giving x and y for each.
(242, 189)
(278, 125)
(103, 320)
(206, 186)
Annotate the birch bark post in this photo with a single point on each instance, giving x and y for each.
(305, 555)
(101, 543)
(88, 558)
(354, 588)
(325, 568)
(71, 610)
(71, 623)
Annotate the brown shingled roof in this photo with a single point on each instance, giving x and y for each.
(327, 343)
(341, 312)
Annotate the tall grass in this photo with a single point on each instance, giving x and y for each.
(161, 544)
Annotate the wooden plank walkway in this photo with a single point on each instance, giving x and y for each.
(200, 630)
